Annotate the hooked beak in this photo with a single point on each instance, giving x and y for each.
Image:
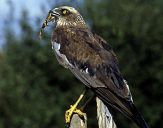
(53, 15)
(54, 12)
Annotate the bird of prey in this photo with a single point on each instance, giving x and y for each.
(90, 58)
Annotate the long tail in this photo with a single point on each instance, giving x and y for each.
(124, 106)
(137, 117)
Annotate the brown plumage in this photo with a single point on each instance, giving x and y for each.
(91, 60)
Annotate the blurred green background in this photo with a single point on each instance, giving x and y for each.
(35, 90)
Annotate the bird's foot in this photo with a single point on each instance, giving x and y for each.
(73, 110)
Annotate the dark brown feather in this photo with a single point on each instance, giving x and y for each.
(91, 60)
(83, 49)
(94, 63)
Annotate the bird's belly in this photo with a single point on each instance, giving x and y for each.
(62, 59)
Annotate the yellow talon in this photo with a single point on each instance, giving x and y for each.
(73, 109)
(69, 114)
(79, 112)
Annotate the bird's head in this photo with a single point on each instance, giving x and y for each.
(67, 17)
(64, 16)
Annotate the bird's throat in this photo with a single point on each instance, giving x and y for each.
(63, 23)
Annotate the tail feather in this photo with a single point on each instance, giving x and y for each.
(124, 106)
(137, 117)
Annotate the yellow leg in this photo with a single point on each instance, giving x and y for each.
(73, 109)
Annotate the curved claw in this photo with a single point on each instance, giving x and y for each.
(73, 109)
(69, 113)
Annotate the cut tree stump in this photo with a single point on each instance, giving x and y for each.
(105, 119)
(77, 122)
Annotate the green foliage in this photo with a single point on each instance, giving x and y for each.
(35, 91)
(33, 87)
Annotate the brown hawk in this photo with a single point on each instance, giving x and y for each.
(92, 61)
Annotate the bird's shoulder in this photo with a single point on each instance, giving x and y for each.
(90, 52)
(84, 45)
(93, 60)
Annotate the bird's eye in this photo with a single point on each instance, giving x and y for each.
(64, 11)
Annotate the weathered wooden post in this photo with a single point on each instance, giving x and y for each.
(105, 119)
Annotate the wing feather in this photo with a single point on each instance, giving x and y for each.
(94, 63)
(86, 50)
